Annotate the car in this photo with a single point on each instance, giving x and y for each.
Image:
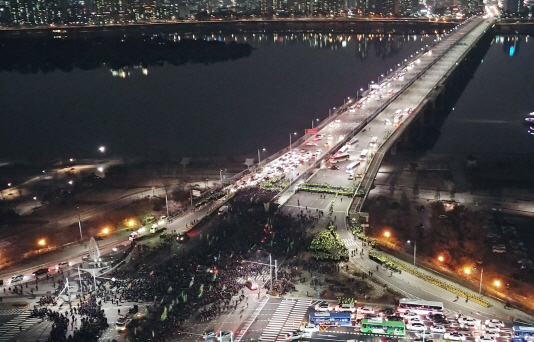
(387, 312)
(454, 336)
(492, 333)
(334, 167)
(309, 328)
(345, 308)
(351, 177)
(438, 329)
(469, 321)
(394, 318)
(366, 309)
(424, 333)
(413, 319)
(226, 335)
(63, 264)
(323, 307)
(484, 338)
(295, 335)
(122, 322)
(438, 318)
(118, 247)
(17, 278)
(182, 237)
(209, 333)
(309, 143)
(40, 271)
(492, 327)
(252, 286)
(98, 237)
(408, 314)
(416, 326)
(498, 323)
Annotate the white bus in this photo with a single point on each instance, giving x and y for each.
(343, 149)
(420, 307)
(373, 142)
(352, 166)
(339, 157)
(363, 155)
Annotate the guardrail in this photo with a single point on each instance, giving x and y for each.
(379, 156)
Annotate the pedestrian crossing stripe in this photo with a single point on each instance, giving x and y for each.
(12, 312)
(350, 242)
(16, 325)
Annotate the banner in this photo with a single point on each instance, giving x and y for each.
(196, 193)
(311, 130)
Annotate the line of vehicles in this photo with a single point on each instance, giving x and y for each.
(409, 316)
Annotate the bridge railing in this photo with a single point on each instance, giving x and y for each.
(379, 156)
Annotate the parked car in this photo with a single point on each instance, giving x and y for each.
(63, 264)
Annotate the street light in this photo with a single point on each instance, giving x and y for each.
(220, 174)
(312, 124)
(358, 93)
(387, 234)
(414, 250)
(80, 223)
(295, 133)
(440, 258)
(497, 283)
(467, 271)
(105, 231)
(102, 149)
(42, 242)
(259, 158)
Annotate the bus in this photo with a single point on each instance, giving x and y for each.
(363, 155)
(339, 157)
(343, 149)
(523, 332)
(379, 326)
(331, 319)
(420, 307)
(352, 166)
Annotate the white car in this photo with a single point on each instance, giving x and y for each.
(492, 333)
(295, 335)
(438, 329)
(366, 310)
(345, 308)
(425, 333)
(416, 326)
(454, 336)
(17, 278)
(415, 319)
(309, 328)
(494, 321)
(323, 307)
(122, 322)
(469, 321)
(408, 314)
(484, 338)
(492, 327)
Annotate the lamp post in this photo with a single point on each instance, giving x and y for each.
(312, 123)
(259, 157)
(414, 250)
(358, 93)
(80, 223)
(480, 287)
(290, 143)
(220, 174)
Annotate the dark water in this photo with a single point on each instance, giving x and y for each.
(185, 105)
(489, 115)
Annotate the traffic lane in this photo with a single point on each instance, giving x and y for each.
(262, 320)
(410, 284)
(314, 204)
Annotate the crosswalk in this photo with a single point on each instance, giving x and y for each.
(11, 328)
(260, 279)
(295, 318)
(287, 318)
(350, 242)
(12, 312)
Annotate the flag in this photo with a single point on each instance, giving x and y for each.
(192, 281)
(164, 314)
(201, 290)
(214, 277)
(311, 130)
(170, 289)
(224, 287)
(195, 193)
